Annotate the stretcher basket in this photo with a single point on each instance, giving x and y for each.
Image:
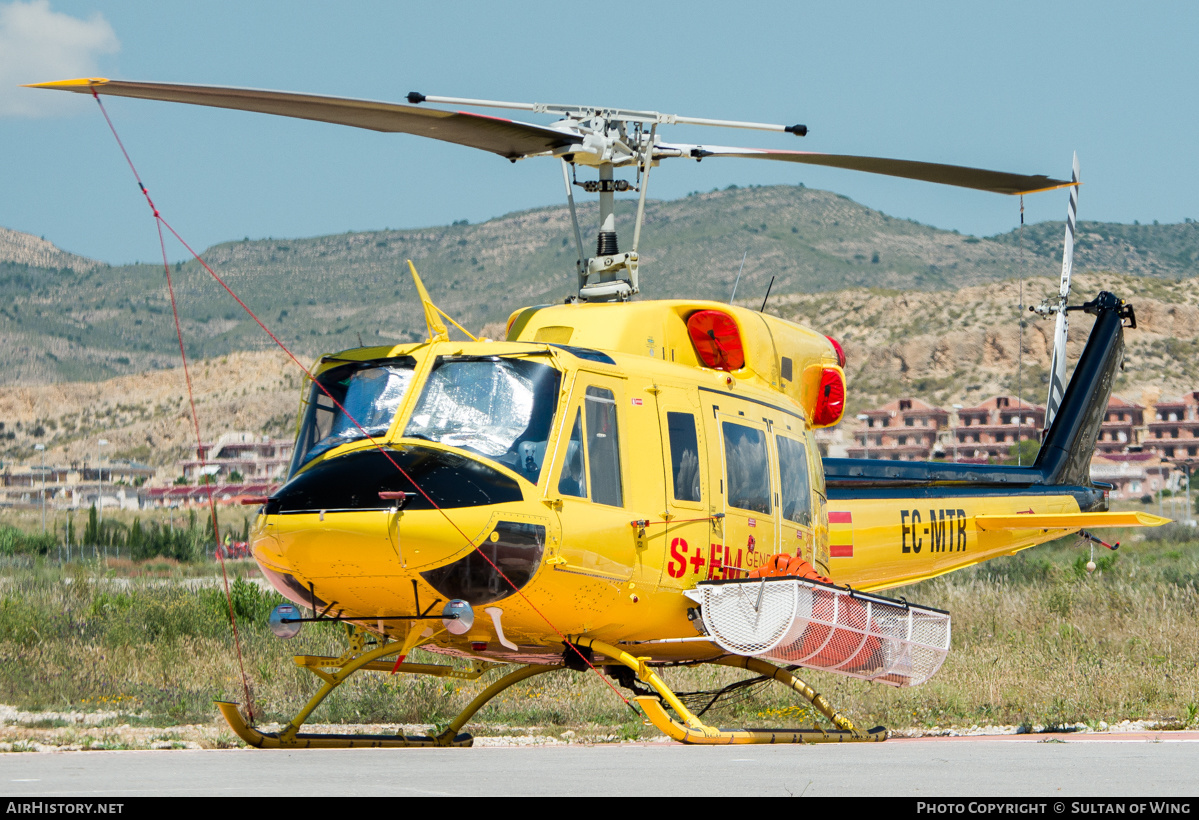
(820, 626)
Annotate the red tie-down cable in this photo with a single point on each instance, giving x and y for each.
(161, 222)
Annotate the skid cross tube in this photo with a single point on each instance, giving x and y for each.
(697, 732)
(290, 737)
(335, 671)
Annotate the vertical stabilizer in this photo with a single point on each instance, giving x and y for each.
(1065, 456)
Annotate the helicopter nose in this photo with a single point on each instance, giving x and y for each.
(370, 542)
(362, 561)
(460, 524)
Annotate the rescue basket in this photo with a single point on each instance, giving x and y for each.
(821, 626)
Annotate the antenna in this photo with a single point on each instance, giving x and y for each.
(738, 279)
(768, 287)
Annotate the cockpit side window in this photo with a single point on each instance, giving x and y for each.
(573, 480)
(369, 393)
(501, 409)
(603, 447)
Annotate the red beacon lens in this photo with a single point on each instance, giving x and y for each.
(840, 352)
(830, 400)
(716, 340)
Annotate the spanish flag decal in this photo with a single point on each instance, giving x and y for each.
(840, 534)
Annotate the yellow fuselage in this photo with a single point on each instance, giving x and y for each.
(652, 474)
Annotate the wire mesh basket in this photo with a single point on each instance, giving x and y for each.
(825, 627)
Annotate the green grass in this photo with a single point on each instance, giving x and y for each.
(1036, 640)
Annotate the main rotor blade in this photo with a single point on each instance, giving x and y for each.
(508, 138)
(977, 178)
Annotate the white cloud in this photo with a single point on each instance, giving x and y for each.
(37, 45)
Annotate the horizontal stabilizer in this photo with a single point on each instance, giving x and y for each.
(1068, 521)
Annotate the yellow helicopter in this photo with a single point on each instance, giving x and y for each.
(627, 485)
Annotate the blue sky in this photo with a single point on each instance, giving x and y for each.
(1014, 86)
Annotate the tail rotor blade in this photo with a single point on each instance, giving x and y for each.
(1057, 368)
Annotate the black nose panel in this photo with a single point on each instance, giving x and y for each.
(354, 481)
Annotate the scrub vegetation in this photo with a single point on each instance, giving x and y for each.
(1037, 642)
(77, 319)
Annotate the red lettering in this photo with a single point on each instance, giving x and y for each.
(729, 560)
(678, 563)
(715, 559)
(697, 560)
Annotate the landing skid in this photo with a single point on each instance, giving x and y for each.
(688, 728)
(694, 730)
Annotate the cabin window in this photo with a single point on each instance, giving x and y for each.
(747, 468)
(603, 447)
(684, 456)
(369, 394)
(501, 409)
(573, 480)
(795, 488)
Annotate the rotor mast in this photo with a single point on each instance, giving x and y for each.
(611, 138)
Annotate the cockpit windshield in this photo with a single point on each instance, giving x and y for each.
(369, 392)
(501, 409)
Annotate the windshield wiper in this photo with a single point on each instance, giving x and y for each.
(492, 357)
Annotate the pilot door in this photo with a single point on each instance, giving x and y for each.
(591, 481)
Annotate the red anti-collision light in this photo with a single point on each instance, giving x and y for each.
(715, 338)
(830, 399)
(840, 352)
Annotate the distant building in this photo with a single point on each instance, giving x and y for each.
(990, 430)
(255, 458)
(1173, 429)
(1133, 475)
(1141, 449)
(901, 430)
(910, 429)
(1123, 427)
(187, 496)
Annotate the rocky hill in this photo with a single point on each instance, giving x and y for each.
(946, 347)
(91, 349)
(84, 321)
(31, 251)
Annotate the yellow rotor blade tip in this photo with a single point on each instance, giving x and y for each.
(70, 85)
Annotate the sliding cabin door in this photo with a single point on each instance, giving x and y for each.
(798, 502)
(750, 496)
(689, 529)
(761, 460)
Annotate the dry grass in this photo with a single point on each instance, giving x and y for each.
(1036, 641)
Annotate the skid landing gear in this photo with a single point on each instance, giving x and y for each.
(693, 730)
(358, 658)
(335, 671)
